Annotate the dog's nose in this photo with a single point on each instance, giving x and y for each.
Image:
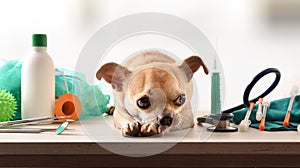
(166, 121)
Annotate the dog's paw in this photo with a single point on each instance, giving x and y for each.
(131, 129)
(150, 129)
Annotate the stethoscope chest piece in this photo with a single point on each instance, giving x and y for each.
(222, 123)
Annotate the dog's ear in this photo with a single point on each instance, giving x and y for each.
(114, 74)
(190, 65)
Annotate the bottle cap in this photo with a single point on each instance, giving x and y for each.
(39, 40)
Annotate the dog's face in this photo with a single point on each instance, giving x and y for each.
(155, 93)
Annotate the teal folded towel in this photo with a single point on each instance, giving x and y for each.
(275, 115)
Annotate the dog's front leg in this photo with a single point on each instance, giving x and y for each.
(128, 126)
(183, 122)
(184, 119)
(150, 129)
(131, 129)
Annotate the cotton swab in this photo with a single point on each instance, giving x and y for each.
(244, 125)
(263, 119)
(259, 110)
(293, 93)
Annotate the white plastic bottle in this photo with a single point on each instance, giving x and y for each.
(38, 81)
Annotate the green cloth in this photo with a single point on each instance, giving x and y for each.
(10, 80)
(275, 115)
(94, 102)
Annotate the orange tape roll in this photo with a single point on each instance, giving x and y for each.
(68, 105)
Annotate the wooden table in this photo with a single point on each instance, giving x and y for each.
(93, 143)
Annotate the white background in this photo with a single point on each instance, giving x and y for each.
(246, 37)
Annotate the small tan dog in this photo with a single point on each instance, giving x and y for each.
(152, 93)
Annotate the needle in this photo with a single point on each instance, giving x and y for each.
(259, 110)
(244, 125)
(263, 119)
(293, 93)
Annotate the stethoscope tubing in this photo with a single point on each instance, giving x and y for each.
(251, 85)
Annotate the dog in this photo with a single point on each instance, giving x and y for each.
(152, 93)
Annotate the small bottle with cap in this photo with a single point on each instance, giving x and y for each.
(38, 81)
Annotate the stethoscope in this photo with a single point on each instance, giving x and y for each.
(221, 121)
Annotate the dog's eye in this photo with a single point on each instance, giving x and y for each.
(179, 100)
(144, 103)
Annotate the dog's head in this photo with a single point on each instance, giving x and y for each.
(156, 92)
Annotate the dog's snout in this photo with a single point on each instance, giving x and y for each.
(166, 121)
